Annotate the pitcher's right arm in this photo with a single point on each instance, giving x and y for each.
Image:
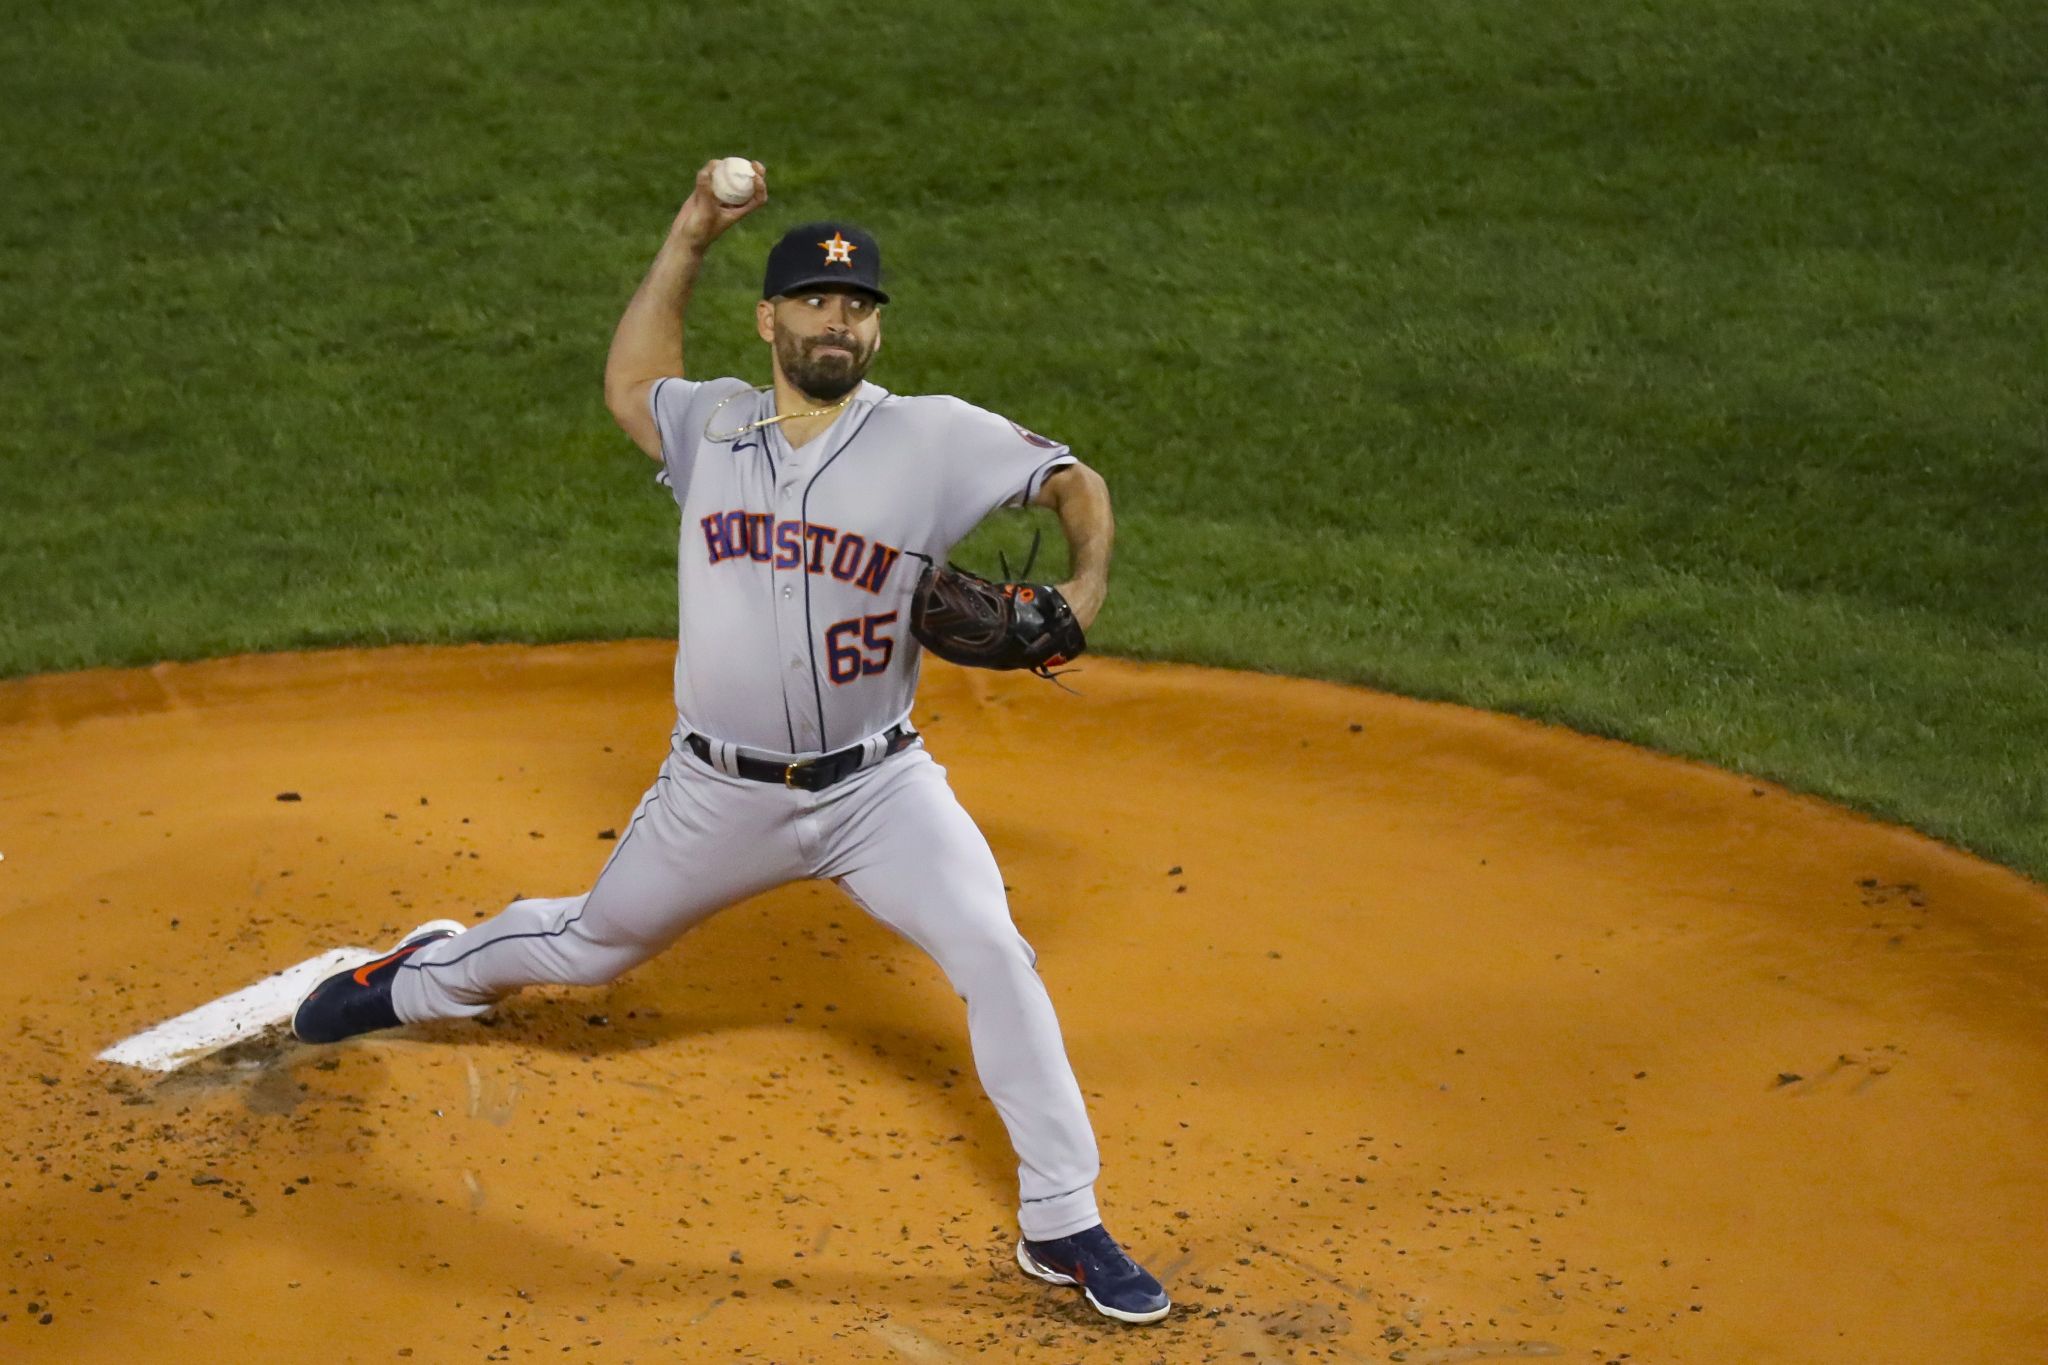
(648, 343)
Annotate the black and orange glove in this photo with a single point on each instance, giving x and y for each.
(967, 619)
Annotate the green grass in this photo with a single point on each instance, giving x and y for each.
(1675, 371)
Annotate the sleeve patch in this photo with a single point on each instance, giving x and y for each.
(1033, 437)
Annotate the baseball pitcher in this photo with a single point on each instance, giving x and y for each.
(816, 519)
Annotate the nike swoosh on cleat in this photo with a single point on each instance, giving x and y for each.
(362, 973)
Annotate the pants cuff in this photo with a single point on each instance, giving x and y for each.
(1041, 1220)
(416, 1002)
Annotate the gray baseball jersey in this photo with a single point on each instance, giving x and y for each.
(796, 566)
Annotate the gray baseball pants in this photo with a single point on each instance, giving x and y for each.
(897, 841)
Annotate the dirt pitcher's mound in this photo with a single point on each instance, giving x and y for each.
(1410, 1033)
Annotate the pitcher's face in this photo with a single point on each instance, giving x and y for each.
(824, 339)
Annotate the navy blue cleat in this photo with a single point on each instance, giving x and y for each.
(359, 999)
(1116, 1286)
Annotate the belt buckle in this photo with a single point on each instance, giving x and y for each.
(789, 775)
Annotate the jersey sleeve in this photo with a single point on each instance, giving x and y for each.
(680, 408)
(992, 462)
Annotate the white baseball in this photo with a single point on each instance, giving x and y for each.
(732, 180)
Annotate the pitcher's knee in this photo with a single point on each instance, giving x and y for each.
(987, 960)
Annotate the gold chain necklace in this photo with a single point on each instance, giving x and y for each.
(720, 438)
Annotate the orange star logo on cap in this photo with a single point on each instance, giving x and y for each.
(839, 251)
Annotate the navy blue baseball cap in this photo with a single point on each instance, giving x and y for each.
(811, 254)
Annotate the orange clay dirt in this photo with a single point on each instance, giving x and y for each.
(1410, 1034)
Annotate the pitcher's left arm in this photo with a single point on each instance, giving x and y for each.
(1078, 496)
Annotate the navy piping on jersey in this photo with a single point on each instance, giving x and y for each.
(810, 630)
(1039, 476)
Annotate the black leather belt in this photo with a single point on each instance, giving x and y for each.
(814, 774)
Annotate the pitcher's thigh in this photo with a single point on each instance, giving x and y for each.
(690, 850)
(699, 842)
(916, 861)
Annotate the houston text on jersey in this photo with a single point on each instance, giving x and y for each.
(760, 537)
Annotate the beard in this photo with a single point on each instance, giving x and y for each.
(826, 376)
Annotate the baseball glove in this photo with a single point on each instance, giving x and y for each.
(966, 619)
